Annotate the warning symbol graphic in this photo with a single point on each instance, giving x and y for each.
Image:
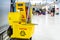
(22, 33)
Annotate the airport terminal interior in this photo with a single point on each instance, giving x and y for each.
(29, 19)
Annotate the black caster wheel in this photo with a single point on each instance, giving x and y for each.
(9, 31)
(30, 38)
(20, 39)
(11, 39)
(14, 39)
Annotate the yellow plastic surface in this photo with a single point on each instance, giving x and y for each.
(18, 23)
(27, 28)
(14, 18)
(22, 8)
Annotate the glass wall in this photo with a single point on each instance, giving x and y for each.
(4, 9)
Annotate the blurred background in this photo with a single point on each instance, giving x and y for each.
(46, 13)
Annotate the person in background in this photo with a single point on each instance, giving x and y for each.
(57, 11)
(53, 12)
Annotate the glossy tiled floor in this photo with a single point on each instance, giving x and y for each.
(48, 27)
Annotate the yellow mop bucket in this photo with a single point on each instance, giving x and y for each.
(24, 31)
